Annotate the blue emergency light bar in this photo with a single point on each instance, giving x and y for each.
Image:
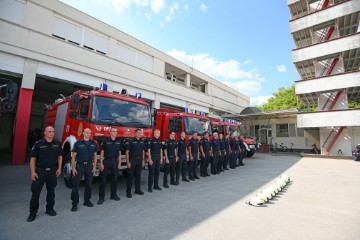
(103, 86)
(138, 95)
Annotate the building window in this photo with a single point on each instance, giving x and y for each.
(300, 132)
(288, 130)
(252, 131)
(282, 130)
(292, 130)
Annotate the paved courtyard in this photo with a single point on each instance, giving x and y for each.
(321, 203)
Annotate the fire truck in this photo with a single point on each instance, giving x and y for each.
(97, 110)
(227, 128)
(168, 120)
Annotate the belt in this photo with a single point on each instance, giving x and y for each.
(110, 159)
(84, 163)
(46, 169)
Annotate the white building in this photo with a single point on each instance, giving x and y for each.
(49, 48)
(278, 127)
(327, 57)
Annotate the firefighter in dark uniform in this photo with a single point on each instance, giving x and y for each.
(155, 155)
(110, 162)
(193, 156)
(170, 150)
(233, 151)
(181, 165)
(237, 152)
(45, 166)
(215, 153)
(83, 163)
(222, 152)
(205, 156)
(242, 150)
(135, 160)
(227, 152)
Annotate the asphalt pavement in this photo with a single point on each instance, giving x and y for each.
(320, 203)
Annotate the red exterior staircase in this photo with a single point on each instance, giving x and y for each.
(334, 139)
(322, 5)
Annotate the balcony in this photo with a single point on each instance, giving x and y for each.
(328, 83)
(348, 117)
(330, 13)
(334, 46)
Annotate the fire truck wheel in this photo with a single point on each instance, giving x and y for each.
(67, 171)
(250, 154)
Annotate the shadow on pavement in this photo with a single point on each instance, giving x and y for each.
(158, 215)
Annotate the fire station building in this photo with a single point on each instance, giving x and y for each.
(48, 48)
(327, 57)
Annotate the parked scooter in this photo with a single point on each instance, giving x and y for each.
(315, 150)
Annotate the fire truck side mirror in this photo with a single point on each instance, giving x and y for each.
(72, 114)
(179, 124)
(75, 101)
(154, 117)
(8, 96)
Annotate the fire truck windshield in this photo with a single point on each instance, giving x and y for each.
(111, 111)
(219, 129)
(199, 125)
(233, 129)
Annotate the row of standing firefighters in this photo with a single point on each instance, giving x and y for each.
(178, 157)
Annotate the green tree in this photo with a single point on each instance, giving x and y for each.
(354, 104)
(284, 98)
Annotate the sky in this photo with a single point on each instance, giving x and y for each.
(243, 43)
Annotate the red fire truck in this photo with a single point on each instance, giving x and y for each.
(98, 110)
(227, 128)
(167, 120)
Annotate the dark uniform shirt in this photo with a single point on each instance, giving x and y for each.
(227, 144)
(205, 144)
(181, 143)
(46, 153)
(222, 144)
(215, 144)
(85, 150)
(111, 148)
(135, 147)
(237, 145)
(155, 145)
(194, 144)
(232, 144)
(170, 146)
(241, 144)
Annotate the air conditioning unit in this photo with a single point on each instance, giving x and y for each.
(194, 85)
(170, 77)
